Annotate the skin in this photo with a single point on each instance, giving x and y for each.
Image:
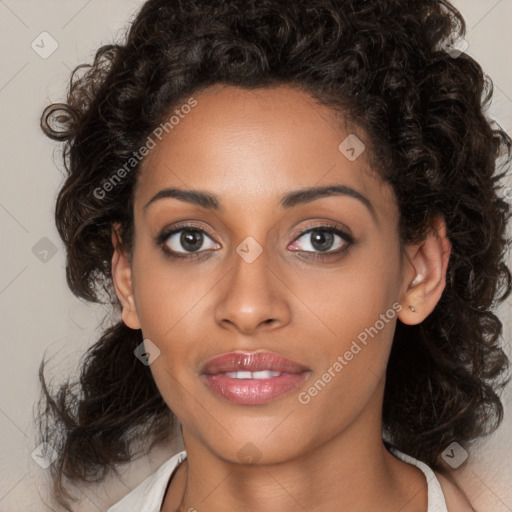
(249, 148)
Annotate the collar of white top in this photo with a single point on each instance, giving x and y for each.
(436, 501)
(149, 495)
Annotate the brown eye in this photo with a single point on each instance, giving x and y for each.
(186, 242)
(189, 240)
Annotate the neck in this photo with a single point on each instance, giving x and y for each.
(353, 469)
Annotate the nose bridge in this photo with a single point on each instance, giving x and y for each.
(253, 296)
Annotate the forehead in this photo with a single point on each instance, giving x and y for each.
(256, 145)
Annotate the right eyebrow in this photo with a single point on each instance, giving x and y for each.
(197, 197)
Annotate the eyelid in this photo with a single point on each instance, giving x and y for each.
(180, 226)
(324, 225)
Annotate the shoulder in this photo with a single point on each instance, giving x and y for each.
(456, 500)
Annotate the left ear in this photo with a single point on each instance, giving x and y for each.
(122, 280)
(425, 278)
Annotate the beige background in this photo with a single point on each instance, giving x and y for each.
(39, 313)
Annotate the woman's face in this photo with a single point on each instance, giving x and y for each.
(251, 275)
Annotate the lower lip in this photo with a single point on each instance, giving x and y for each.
(253, 391)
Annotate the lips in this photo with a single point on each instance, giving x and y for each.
(251, 362)
(252, 378)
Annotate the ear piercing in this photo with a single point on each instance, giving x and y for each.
(416, 280)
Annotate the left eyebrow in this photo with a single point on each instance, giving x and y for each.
(306, 195)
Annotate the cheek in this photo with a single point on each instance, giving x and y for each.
(168, 302)
(350, 298)
(355, 311)
(165, 292)
(350, 369)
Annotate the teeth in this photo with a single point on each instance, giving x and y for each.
(264, 374)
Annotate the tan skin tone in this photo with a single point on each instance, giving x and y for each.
(249, 148)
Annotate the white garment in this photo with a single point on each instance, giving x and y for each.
(149, 495)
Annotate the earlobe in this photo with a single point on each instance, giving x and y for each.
(122, 280)
(428, 262)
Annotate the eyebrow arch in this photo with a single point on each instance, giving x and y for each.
(307, 195)
(289, 200)
(202, 199)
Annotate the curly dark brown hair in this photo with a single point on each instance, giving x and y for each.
(384, 65)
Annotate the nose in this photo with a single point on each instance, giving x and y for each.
(253, 298)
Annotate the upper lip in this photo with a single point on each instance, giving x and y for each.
(252, 362)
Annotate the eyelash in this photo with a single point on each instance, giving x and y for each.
(164, 236)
